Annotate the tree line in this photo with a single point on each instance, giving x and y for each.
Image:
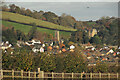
(107, 32)
(64, 19)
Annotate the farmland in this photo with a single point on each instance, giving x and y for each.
(26, 28)
(28, 20)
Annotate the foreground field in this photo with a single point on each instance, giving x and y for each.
(28, 20)
(26, 28)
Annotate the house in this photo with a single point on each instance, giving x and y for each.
(71, 50)
(29, 43)
(10, 45)
(51, 44)
(7, 42)
(92, 64)
(103, 59)
(108, 53)
(114, 54)
(88, 57)
(35, 50)
(43, 45)
(5, 45)
(102, 54)
(34, 41)
(92, 48)
(118, 53)
(62, 45)
(19, 43)
(60, 51)
(50, 48)
(72, 47)
(119, 47)
(2, 43)
(63, 50)
(111, 51)
(41, 49)
(88, 47)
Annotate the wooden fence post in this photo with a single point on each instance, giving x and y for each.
(81, 75)
(39, 72)
(1, 73)
(34, 74)
(109, 75)
(62, 75)
(42, 74)
(91, 75)
(12, 73)
(99, 75)
(21, 73)
(117, 75)
(29, 74)
(72, 74)
(52, 75)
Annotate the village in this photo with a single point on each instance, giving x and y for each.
(92, 54)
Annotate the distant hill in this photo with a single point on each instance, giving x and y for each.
(28, 20)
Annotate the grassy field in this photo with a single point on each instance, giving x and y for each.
(28, 20)
(26, 28)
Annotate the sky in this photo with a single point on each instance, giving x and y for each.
(81, 10)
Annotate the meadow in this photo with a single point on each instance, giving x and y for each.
(28, 20)
(26, 28)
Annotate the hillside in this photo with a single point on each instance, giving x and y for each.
(26, 28)
(28, 20)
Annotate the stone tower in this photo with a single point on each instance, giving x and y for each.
(92, 33)
(57, 35)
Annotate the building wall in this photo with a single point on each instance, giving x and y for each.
(92, 33)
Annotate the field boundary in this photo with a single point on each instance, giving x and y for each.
(37, 26)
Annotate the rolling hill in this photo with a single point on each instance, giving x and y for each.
(28, 20)
(26, 28)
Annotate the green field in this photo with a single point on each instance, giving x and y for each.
(28, 20)
(26, 28)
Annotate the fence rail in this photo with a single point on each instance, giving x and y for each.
(42, 74)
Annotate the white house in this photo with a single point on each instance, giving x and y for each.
(51, 44)
(2, 43)
(4, 47)
(36, 41)
(7, 42)
(35, 50)
(29, 43)
(111, 51)
(72, 47)
(41, 49)
(118, 53)
(93, 49)
(88, 46)
(88, 57)
(10, 45)
(18, 45)
(119, 47)
(43, 45)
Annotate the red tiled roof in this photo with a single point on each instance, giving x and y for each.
(63, 50)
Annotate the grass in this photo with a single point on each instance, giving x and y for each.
(28, 20)
(26, 28)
